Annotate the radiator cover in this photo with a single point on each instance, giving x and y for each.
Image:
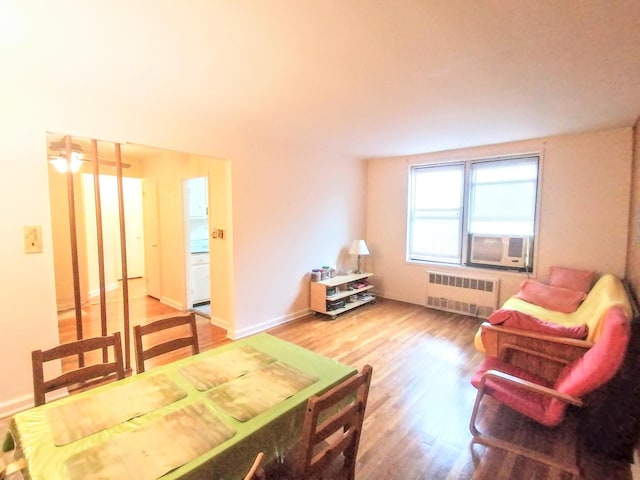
(464, 294)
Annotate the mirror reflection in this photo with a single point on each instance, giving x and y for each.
(171, 202)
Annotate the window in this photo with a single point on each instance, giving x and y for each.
(449, 202)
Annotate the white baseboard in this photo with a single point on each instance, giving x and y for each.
(219, 322)
(173, 303)
(108, 288)
(25, 402)
(261, 327)
(15, 405)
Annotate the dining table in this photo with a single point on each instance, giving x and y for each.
(206, 416)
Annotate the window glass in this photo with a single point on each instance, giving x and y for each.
(436, 213)
(503, 196)
(496, 197)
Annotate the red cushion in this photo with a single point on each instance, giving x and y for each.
(547, 296)
(523, 321)
(571, 278)
(527, 402)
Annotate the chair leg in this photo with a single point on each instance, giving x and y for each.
(490, 441)
(472, 421)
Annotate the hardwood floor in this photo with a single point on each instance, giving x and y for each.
(416, 425)
(142, 309)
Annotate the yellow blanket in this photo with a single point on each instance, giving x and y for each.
(607, 292)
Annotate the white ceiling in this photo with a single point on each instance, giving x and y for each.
(366, 78)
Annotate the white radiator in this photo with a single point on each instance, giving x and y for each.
(474, 296)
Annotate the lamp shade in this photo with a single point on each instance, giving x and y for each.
(359, 247)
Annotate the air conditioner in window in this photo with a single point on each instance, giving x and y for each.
(505, 251)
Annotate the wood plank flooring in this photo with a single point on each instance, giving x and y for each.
(421, 398)
(142, 309)
(416, 425)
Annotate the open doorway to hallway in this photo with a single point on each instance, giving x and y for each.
(196, 205)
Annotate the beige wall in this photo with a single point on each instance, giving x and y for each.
(292, 211)
(584, 209)
(633, 261)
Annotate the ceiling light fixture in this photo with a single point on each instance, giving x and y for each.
(62, 165)
(63, 162)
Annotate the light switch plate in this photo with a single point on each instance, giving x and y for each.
(32, 239)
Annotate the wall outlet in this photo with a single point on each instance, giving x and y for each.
(32, 239)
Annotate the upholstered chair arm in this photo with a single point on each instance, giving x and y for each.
(534, 387)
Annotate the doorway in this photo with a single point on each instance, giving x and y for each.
(196, 214)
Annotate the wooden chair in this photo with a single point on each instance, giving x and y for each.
(338, 433)
(255, 472)
(546, 402)
(165, 342)
(84, 376)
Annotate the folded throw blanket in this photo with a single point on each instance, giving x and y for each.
(523, 321)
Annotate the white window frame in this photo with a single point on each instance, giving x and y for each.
(463, 259)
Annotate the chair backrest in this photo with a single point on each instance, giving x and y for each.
(338, 433)
(110, 367)
(162, 337)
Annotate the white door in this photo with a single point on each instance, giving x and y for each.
(151, 238)
(110, 217)
(133, 225)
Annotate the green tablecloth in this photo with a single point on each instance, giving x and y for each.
(203, 417)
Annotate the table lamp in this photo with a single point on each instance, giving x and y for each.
(359, 247)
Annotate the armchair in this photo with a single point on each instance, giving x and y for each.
(546, 402)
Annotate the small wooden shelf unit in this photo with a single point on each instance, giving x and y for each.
(341, 290)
